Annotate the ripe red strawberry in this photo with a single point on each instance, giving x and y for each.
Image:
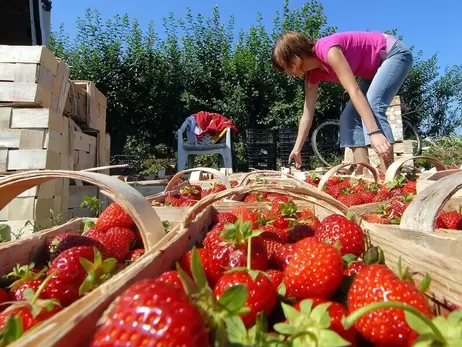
(450, 220)
(254, 197)
(313, 179)
(217, 187)
(116, 241)
(192, 192)
(410, 187)
(233, 183)
(315, 270)
(4, 297)
(377, 218)
(337, 228)
(334, 180)
(172, 278)
(273, 233)
(281, 198)
(386, 326)
(173, 319)
(276, 277)
(262, 294)
(114, 216)
(336, 313)
(135, 254)
(25, 276)
(354, 267)
(188, 202)
(358, 185)
(76, 241)
(54, 242)
(245, 214)
(307, 216)
(172, 201)
(71, 278)
(213, 237)
(349, 198)
(382, 195)
(213, 268)
(397, 205)
(279, 254)
(23, 313)
(226, 217)
(299, 232)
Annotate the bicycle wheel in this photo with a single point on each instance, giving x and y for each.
(326, 143)
(410, 133)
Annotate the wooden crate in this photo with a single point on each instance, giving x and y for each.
(87, 106)
(33, 76)
(33, 248)
(76, 196)
(76, 329)
(403, 149)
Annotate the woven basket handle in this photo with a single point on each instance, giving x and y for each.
(422, 212)
(141, 211)
(332, 171)
(394, 168)
(245, 178)
(174, 180)
(305, 193)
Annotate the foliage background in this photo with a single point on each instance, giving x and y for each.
(153, 81)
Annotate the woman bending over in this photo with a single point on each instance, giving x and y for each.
(380, 60)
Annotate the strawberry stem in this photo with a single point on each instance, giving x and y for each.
(249, 250)
(349, 321)
(42, 287)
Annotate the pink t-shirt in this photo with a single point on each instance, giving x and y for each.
(361, 50)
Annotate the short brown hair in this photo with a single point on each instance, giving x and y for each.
(290, 48)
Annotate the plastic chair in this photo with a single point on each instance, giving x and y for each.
(188, 150)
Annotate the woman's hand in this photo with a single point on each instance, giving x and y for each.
(296, 156)
(381, 145)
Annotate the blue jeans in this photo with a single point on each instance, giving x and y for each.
(379, 93)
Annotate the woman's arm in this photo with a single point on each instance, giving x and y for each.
(342, 69)
(311, 95)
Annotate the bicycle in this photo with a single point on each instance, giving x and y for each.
(327, 148)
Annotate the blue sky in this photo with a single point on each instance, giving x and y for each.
(424, 24)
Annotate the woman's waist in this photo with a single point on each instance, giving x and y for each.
(390, 40)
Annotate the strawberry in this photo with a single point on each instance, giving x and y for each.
(349, 198)
(114, 216)
(279, 254)
(187, 202)
(313, 179)
(76, 241)
(358, 186)
(54, 243)
(25, 277)
(367, 196)
(277, 197)
(172, 201)
(387, 326)
(336, 312)
(410, 187)
(4, 297)
(332, 181)
(262, 294)
(173, 320)
(226, 217)
(450, 220)
(213, 269)
(270, 232)
(382, 195)
(217, 187)
(233, 183)
(116, 241)
(171, 277)
(245, 214)
(354, 267)
(77, 271)
(192, 192)
(315, 270)
(299, 232)
(213, 237)
(339, 229)
(276, 276)
(307, 216)
(254, 197)
(135, 254)
(377, 218)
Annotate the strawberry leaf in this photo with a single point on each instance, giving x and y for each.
(417, 324)
(197, 270)
(234, 298)
(236, 330)
(290, 313)
(330, 338)
(188, 284)
(321, 316)
(284, 328)
(12, 331)
(282, 290)
(425, 283)
(306, 306)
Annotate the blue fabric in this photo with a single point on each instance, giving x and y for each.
(379, 93)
